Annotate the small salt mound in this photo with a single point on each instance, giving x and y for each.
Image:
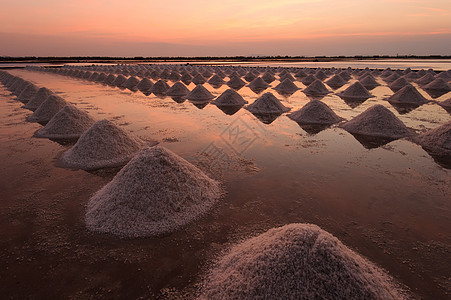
(355, 91)
(267, 104)
(315, 112)
(425, 79)
(119, 80)
(369, 82)
(186, 78)
(144, 85)
(300, 74)
(336, 81)
(437, 141)
(398, 84)
(47, 109)
(438, 84)
(131, 83)
(174, 76)
(156, 192)
(287, 76)
(102, 145)
(377, 121)
(68, 123)
(110, 79)
(407, 95)
(286, 86)
(199, 93)
(160, 87)
(94, 76)
(236, 82)
(316, 88)
(268, 77)
(392, 78)
(101, 77)
(296, 261)
(20, 86)
(308, 80)
(249, 76)
(258, 83)
(216, 80)
(320, 75)
(177, 90)
(229, 98)
(38, 98)
(199, 79)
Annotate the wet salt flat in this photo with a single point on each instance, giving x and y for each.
(388, 203)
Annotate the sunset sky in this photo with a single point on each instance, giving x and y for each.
(226, 28)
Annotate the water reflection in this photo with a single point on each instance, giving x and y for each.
(353, 102)
(371, 142)
(314, 129)
(229, 110)
(266, 118)
(404, 108)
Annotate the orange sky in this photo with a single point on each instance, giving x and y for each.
(200, 27)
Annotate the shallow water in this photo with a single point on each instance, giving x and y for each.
(390, 203)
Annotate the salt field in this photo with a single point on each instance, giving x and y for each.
(359, 149)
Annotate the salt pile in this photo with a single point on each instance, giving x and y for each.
(296, 261)
(425, 79)
(377, 121)
(110, 79)
(249, 76)
(258, 84)
(267, 104)
(47, 109)
(315, 112)
(286, 86)
(199, 93)
(102, 145)
(355, 91)
(235, 82)
(119, 80)
(156, 192)
(177, 90)
(320, 75)
(101, 77)
(145, 85)
(437, 84)
(286, 76)
(336, 82)
(369, 82)
(68, 123)
(446, 104)
(131, 83)
(308, 80)
(229, 98)
(38, 98)
(160, 87)
(407, 95)
(268, 77)
(392, 78)
(186, 78)
(199, 79)
(316, 88)
(437, 141)
(28, 93)
(398, 84)
(216, 80)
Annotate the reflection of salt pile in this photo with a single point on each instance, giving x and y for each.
(286, 86)
(235, 82)
(267, 104)
(315, 112)
(199, 93)
(47, 109)
(316, 88)
(177, 90)
(229, 98)
(437, 141)
(68, 123)
(156, 192)
(377, 121)
(355, 91)
(296, 261)
(28, 93)
(102, 145)
(38, 99)
(407, 95)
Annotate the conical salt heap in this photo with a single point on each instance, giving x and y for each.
(110, 79)
(160, 87)
(258, 83)
(186, 78)
(199, 79)
(377, 121)
(437, 84)
(199, 93)
(315, 112)
(216, 80)
(268, 77)
(316, 88)
(320, 75)
(156, 192)
(296, 261)
(335, 81)
(229, 98)
(47, 109)
(102, 145)
(437, 141)
(355, 91)
(392, 78)
(249, 76)
(446, 104)
(398, 84)
(38, 98)
(425, 79)
(287, 76)
(235, 82)
(28, 93)
(145, 85)
(369, 82)
(119, 80)
(308, 80)
(177, 90)
(267, 104)
(68, 123)
(407, 95)
(101, 78)
(286, 86)
(131, 83)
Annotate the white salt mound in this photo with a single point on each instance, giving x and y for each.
(47, 109)
(377, 121)
(296, 261)
(156, 192)
(38, 98)
(438, 140)
(407, 95)
(355, 91)
(229, 98)
(177, 90)
(68, 123)
(199, 93)
(267, 104)
(315, 112)
(102, 145)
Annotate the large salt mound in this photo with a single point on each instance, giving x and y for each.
(286, 86)
(235, 82)
(258, 83)
(119, 80)
(438, 84)
(47, 109)
(68, 123)
(407, 95)
(267, 104)
(102, 145)
(369, 82)
(437, 141)
(316, 88)
(156, 192)
(199, 79)
(38, 99)
(110, 79)
(145, 85)
(177, 90)
(398, 84)
(216, 80)
(28, 93)
(199, 93)
(229, 98)
(315, 112)
(377, 121)
(160, 87)
(296, 261)
(131, 83)
(355, 91)
(336, 81)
